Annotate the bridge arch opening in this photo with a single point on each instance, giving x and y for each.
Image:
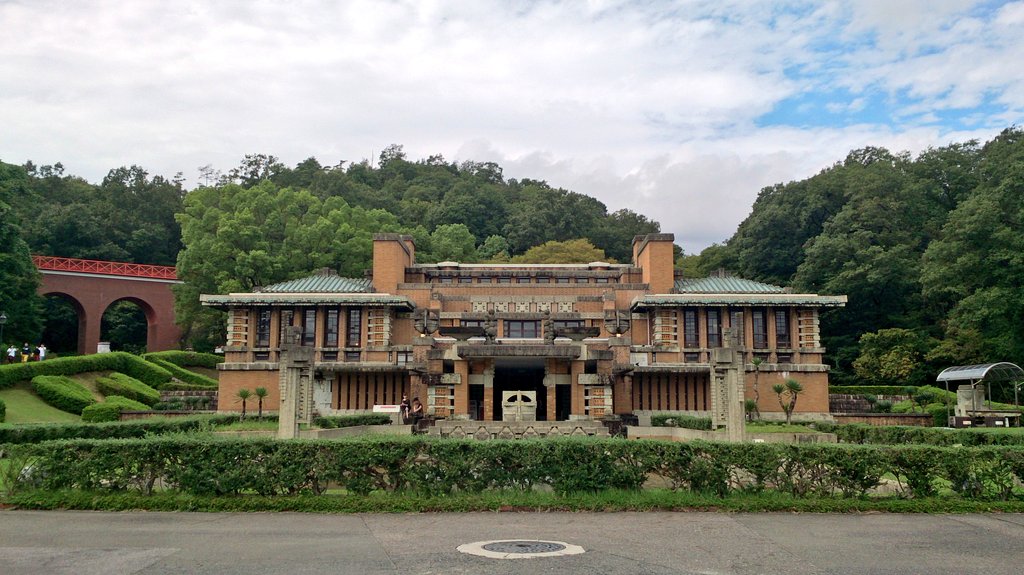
(127, 324)
(63, 323)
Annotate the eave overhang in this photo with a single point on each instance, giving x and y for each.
(279, 299)
(647, 302)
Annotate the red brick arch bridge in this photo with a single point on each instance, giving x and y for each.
(92, 286)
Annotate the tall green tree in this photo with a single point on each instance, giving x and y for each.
(19, 279)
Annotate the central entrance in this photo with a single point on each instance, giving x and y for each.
(520, 374)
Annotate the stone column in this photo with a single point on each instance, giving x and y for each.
(727, 388)
(296, 385)
(489, 392)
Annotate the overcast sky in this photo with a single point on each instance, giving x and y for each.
(681, 111)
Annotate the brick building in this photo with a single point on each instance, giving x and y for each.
(581, 340)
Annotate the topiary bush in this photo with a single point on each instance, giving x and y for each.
(335, 421)
(681, 420)
(149, 373)
(35, 433)
(119, 384)
(111, 408)
(63, 393)
(185, 358)
(190, 378)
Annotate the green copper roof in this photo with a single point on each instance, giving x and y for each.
(724, 285)
(321, 283)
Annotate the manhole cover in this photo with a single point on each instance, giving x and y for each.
(519, 549)
(524, 547)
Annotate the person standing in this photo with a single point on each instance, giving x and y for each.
(41, 351)
(417, 411)
(403, 408)
(12, 352)
(26, 352)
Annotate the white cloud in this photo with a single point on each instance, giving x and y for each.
(651, 106)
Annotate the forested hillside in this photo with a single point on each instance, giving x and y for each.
(930, 250)
(263, 222)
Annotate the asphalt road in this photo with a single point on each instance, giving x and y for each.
(87, 543)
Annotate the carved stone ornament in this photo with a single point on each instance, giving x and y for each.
(616, 322)
(426, 322)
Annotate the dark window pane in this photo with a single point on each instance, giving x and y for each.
(331, 328)
(263, 328)
(309, 327)
(760, 329)
(714, 328)
(354, 329)
(690, 336)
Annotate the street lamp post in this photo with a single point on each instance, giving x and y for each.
(3, 321)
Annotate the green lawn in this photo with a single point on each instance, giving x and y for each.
(24, 406)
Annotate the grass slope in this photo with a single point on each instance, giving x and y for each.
(24, 406)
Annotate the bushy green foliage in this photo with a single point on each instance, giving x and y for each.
(680, 420)
(110, 409)
(149, 373)
(62, 392)
(186, 358)
(35, 433)
(334, 421)
(119, 384)
(3, 411)
(902, 434)
(869, 389)
(198, 466)
(192, 379)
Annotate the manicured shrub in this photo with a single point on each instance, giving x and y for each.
(186, 358)
(680, 420)
(334, 421)
(190, 378)
(899, 434)
(63, 393)
(111, 408)
(870, 389)
(35, 433)
(201, 466)
(149, 373)
(119, 384)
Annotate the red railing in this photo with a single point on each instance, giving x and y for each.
(106, 268)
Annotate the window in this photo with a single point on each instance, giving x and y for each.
(308, 327)
(561, 280)
(519, 329)
(286, 321)
(691, 357)
(331, 328)
(403, 357)
(760, 329)
(691, 338)
(522, 280)
(471, 323)
(581, 280)
(465, 280)
(543, 280)
(485, 280)
(263, 328)
(351, 356)
(446, 280)
(714, 328)
(736, 323)
(504, 280)
(354, 331)
(600, 280)
(330, 356)
(567, 323)
(782, 329)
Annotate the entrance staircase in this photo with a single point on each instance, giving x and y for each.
(483, 430)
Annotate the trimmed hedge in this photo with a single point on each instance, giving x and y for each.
(870, 389)
(35, 433)
(111, 408)
(190, 378)
(435, 468)
(63, 393)
(149, 373)
(119, 384)
(335, 421)
(680, 420)
(899, 434)
(185, 358)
